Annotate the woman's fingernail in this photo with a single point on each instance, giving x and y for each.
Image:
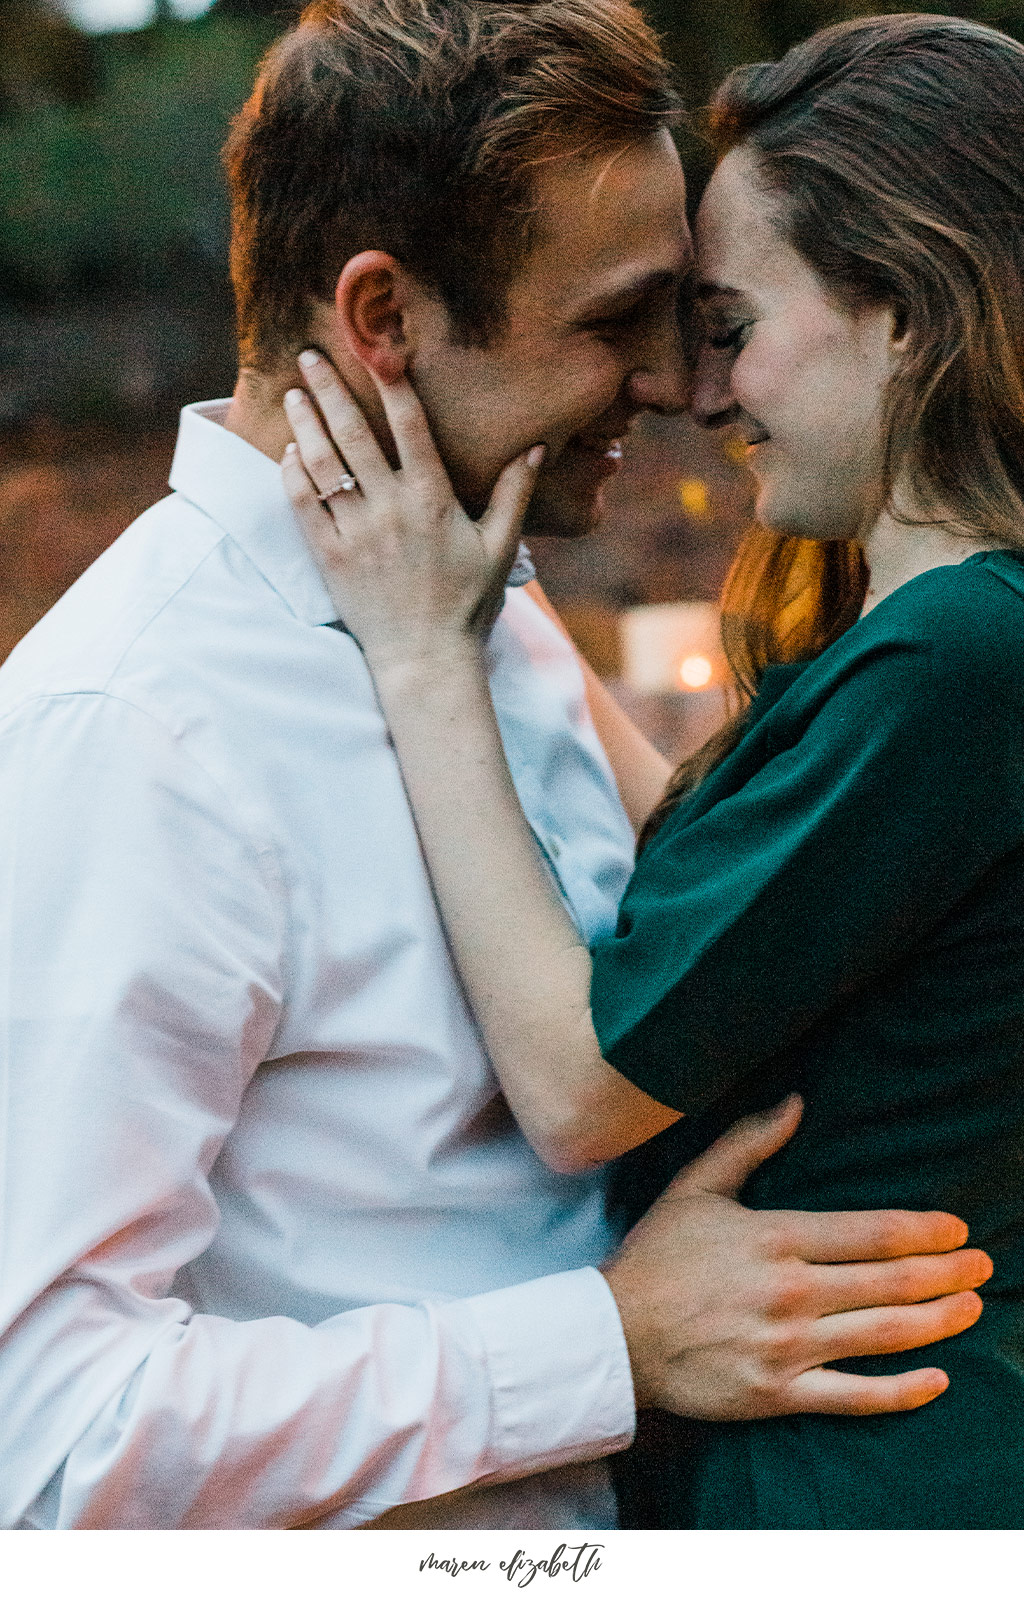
(536, 455)
(293, 397)
(290, 449)
(308, 358)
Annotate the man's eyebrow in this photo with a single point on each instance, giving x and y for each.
(627, 295)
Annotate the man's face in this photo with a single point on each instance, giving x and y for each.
(591, 338)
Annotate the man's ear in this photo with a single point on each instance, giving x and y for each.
(371, 305)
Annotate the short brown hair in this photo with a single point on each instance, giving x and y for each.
(894, 148)
(416, 127)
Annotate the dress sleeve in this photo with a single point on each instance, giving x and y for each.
(816, 868)
(142, 936)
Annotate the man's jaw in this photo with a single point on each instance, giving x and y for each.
(568, 499)
(566, 502)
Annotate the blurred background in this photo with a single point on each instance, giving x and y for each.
(115, 310)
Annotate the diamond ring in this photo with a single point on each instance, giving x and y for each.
(345, 484)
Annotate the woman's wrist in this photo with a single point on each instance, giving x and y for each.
(425, 667)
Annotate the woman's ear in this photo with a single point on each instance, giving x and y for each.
(900, 328)
(371, 305)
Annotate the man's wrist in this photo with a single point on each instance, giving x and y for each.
(635, 1330)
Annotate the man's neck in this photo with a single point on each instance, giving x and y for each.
(256, 412)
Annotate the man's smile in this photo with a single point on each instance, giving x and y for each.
(605, 452)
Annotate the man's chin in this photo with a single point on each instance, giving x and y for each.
(562, 511)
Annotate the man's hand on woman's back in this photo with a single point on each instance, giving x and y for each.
(731, 1313)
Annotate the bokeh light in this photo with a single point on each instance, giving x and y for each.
(696, 672)
(693, 497)
(126, 16)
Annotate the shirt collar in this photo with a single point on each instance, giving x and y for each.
(241, 490)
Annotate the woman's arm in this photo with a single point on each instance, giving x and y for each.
(641, 772)
(525, 969)
(410, 600)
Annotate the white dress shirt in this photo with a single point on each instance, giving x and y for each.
(272, 1251)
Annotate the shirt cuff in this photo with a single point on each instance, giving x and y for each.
(559, 1372)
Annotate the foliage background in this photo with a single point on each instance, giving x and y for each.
(111, 194)
(115, 308)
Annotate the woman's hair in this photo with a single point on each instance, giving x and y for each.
(893, 151)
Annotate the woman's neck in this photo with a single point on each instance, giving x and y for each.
(898, 551)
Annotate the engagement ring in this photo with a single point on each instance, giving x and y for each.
(344, 485)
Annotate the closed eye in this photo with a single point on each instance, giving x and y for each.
(657, 299)
(729, 338)
(622, 322)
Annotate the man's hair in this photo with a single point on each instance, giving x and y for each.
(417, 127)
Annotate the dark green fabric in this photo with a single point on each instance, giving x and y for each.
(839, 909)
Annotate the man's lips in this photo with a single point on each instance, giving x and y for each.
(605, 444)
(608, 452)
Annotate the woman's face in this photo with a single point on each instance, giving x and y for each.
(800, 379)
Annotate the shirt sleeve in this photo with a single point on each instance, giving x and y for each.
(141, 938)
(803, 872)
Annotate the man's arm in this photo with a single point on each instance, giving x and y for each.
(140, 942)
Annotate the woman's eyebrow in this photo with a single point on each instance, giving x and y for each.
(707, 289)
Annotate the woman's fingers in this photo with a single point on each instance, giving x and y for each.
(851, 1395)
(319, 457)
(501, 523)
(347, 443)
(319, 525)
(417, 452)
(412, 514)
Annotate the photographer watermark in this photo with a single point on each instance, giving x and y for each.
(572, 1561)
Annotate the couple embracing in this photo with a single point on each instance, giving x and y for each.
(372, 1146)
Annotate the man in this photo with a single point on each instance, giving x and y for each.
(275, 1253)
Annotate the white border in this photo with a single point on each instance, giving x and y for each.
(632, 1566)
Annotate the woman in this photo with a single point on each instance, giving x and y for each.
(831, 898)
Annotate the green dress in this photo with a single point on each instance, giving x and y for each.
(839, 909)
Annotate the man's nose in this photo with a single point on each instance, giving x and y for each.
(663, 382)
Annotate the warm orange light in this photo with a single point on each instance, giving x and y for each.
(735, 449)
(693, 496)
(672, 648)
(696, 672)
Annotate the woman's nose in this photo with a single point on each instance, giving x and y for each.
(711, 402)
